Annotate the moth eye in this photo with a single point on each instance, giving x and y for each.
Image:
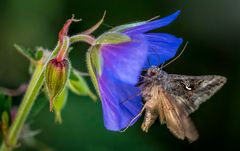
(152, 73)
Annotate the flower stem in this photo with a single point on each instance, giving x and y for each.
(82, 38)
(33, 91)
(26, 104)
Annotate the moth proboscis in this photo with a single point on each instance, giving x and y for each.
(172, 97)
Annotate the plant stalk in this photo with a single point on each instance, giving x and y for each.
(33, 91)
(26, 104)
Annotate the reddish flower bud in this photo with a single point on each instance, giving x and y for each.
(56, 76)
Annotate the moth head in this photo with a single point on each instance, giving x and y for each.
(153, 71)
(156, 73)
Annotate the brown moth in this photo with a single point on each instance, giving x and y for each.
(173, 97)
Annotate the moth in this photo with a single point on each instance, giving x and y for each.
(172, 97)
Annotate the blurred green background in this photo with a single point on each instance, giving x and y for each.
(212, 29)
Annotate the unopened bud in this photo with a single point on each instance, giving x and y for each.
(56, 76)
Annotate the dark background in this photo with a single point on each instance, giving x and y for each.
(212, 29)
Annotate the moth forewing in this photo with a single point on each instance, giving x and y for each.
(191, 91)
(177, 119)
(208, 88)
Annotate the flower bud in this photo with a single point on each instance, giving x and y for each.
(56, 76)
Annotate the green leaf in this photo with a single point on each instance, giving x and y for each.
(59, 104)
(78, 85)
(28, 53)
(112, 38)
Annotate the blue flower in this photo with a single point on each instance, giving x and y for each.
(116, 60)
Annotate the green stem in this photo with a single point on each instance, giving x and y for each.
(26, 104)
(82, 38)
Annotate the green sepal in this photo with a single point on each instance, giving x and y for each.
(122, 28)
(112, 38)
(39, 54)
(91, 72)
(59, 104)
(78, 85)
(28, 53)
(96, 59)
(56, 75)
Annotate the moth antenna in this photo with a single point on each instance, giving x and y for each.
(185, 46)
(139, 114)
(162, 66)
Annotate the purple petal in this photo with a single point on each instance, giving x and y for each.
(125, 60)
(153, 24)
(162, 47)
(120, 101)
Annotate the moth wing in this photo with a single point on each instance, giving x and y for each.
(191, 91)
(176, 118)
